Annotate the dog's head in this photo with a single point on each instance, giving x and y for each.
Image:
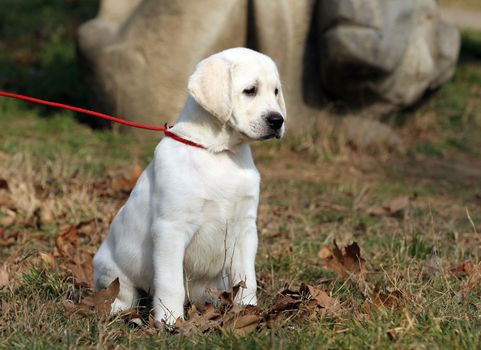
(241, 87)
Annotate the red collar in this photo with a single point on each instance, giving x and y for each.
(180, 139)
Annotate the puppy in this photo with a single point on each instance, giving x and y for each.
(190, 221)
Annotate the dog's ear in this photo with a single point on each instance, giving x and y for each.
(210, 86)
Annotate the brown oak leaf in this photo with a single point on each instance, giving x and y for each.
(342, 261)
(99, 303)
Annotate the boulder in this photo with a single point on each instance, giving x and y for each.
(136, 56)
(383, 55)
(370, 56)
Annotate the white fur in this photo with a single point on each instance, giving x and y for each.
(190, 221)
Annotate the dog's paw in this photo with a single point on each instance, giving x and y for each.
(168, 316)
(169, 324)
(118, 306)
(167, 320)
(246, 299)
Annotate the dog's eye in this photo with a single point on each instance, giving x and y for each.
(250, 91)
(276, 91)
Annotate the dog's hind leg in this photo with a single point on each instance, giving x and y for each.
(128, 296)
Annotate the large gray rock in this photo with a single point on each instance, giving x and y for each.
(137, 55)
(370, 56)
(383, 55)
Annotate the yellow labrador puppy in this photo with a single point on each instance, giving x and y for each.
(190, 221)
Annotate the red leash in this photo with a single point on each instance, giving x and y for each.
(164, 128)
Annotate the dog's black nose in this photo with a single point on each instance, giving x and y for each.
(275, 120)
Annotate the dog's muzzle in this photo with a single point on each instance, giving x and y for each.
(275, 121)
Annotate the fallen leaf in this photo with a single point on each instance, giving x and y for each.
(321, 298)
(11, 261)
(45, 216)
(325, 252)
(391, 335)
(223, 314)
(9, 218)
(285, 302)
(102, 187)
(465, 268)
(47, 259)
(474, 279)
(41, 192)
(302, 303)
(243, 322)
(67, 240)
(82, 270)
(200, 319)
(208, 311)
(6, 242)
(392, 207)
(4, 278)
(100, 303)
(225, 299)
(342, 261)
(390, 300)
(87, 227)
(227, 317)
(38, 235)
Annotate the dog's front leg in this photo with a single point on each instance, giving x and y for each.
(170, 241)
(243, 264)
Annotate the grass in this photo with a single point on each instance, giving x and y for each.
(51, 160)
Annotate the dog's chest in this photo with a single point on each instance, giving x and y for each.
(226, 186)
(229, 200)
(228, 208)
(228, 197)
